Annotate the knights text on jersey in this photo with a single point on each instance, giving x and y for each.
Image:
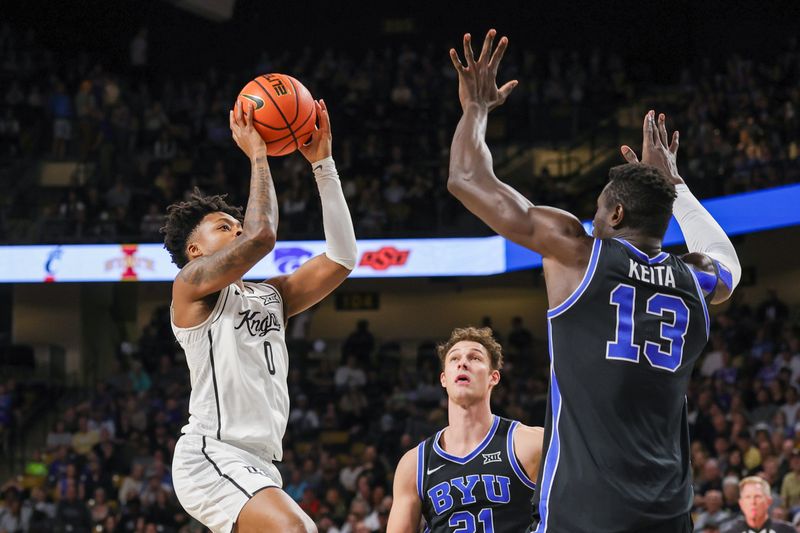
(238, 364)
(484, 491)
(622, 348)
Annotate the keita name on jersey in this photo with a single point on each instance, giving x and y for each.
(656, 274)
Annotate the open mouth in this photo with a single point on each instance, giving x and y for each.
(462, 379)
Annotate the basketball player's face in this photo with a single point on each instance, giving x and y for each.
(468, 373)
(215, 231)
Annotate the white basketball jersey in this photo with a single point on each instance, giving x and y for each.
(238, 364)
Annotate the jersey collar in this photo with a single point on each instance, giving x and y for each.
(469, 457)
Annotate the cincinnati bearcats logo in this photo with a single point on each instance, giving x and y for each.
(257, 100)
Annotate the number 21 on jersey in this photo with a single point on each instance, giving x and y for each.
(673, 315)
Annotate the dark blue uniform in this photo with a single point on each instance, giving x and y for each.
(486, 491)
(622, 348)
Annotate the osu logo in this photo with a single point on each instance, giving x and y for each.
(129, 262)
(386, 257)
(289, 259)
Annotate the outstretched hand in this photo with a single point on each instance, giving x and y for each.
(320, 145)
(655, 150)
(477, 82)
(243, 131)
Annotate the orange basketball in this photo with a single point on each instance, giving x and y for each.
(284, 111)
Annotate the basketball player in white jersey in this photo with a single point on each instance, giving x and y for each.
(480, 467)
(233, 334)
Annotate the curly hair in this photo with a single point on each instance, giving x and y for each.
(183, 218)
(482, 336)
(645, 193)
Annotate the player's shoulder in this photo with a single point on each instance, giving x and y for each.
(406, 471)
(527, 438)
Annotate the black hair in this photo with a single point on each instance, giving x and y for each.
(183, 218)
(646, 195)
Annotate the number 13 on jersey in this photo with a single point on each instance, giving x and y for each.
(673, 315)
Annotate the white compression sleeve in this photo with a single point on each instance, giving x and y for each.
(703, 234)
(340, 239)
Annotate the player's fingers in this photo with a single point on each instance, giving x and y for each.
(324, 117)
(649, 129)
(251, 110)
(456, 61)
(497, 56)
(673, 147)
(468, 55)
(237, 114)
(662, 129)
(506, 89)
(487, 46)
(231, 123)
(629, 154)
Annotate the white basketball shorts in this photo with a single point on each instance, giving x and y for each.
(214, 480)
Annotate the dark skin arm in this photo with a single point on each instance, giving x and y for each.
(318, 277)
(659, 152)
(205, 275)
(557, 235)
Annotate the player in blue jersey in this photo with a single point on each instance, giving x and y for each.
(627, 321)
(476, 474)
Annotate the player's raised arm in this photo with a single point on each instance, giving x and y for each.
(406, 506)
(711, 252)
(207, 273)
(316, 278)
(552, 232)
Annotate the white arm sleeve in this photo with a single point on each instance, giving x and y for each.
(340, 239)
(704, 235)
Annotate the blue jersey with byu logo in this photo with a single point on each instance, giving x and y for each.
(486, 491)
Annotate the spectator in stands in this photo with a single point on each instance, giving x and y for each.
(85, 438)
(58, 436)
(360, 343)
(72, 513)
(520, 339)
(790, 488)
(12, 519)
(713, 513)
(349, 375)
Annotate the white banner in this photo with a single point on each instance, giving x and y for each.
(151, 262)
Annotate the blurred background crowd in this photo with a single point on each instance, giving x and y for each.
(138, 142)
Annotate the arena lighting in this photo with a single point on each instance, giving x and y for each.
(381, 258)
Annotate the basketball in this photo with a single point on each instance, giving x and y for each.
(284, 111)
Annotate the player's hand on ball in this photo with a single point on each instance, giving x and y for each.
(477, 82)
(243, 132)
(655, 150)
(320, 145)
